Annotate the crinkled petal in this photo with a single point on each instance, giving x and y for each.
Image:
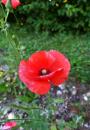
(15, 3)
(41, 60)
(38, 86)
(26, 72)
(61, 61)
(29, 71)
(48, 76)
(58, 78)
(23, 74)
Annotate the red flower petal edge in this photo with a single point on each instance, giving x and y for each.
(9, 125)
(4, 1)
(43, 68)
(14, 3)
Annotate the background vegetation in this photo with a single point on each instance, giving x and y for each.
(62, 25)
(75, 47)
(56, 15)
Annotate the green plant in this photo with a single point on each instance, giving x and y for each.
(55, 15)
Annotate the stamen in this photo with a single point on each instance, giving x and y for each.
(44, 71)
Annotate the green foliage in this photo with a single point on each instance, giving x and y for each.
(55, 15)
(71, 125)
(76, 48)
(3, 88)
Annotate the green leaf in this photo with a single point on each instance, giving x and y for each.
(59, 100)
(3, 88)
(53, 127)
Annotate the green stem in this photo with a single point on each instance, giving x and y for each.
(7, 10)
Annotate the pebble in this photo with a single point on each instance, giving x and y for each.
(4, 67)
(7, 78)
(59, 93)
(87, 125)
(88, 94)
(21, 128)
(85, 97)
(62, 86)
(74, 91)
(0, 102)
(4, 98)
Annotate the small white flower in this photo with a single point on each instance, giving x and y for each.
(11, 116)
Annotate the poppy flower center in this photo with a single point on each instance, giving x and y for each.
(44, 72)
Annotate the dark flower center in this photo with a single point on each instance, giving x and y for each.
(44, 72)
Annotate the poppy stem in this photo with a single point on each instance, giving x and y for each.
(54, 126)
(7, 13)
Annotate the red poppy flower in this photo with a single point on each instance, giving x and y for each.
(43, 69)
(9, 125)
(14, 3)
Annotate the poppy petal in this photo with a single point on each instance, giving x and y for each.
(61, 60)
(10, 125)
(41, 60)
(15, 3)
(38, 87)
(58, 78)
(4, 1)
(25, 73)
(42, 69)
(48, 76)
